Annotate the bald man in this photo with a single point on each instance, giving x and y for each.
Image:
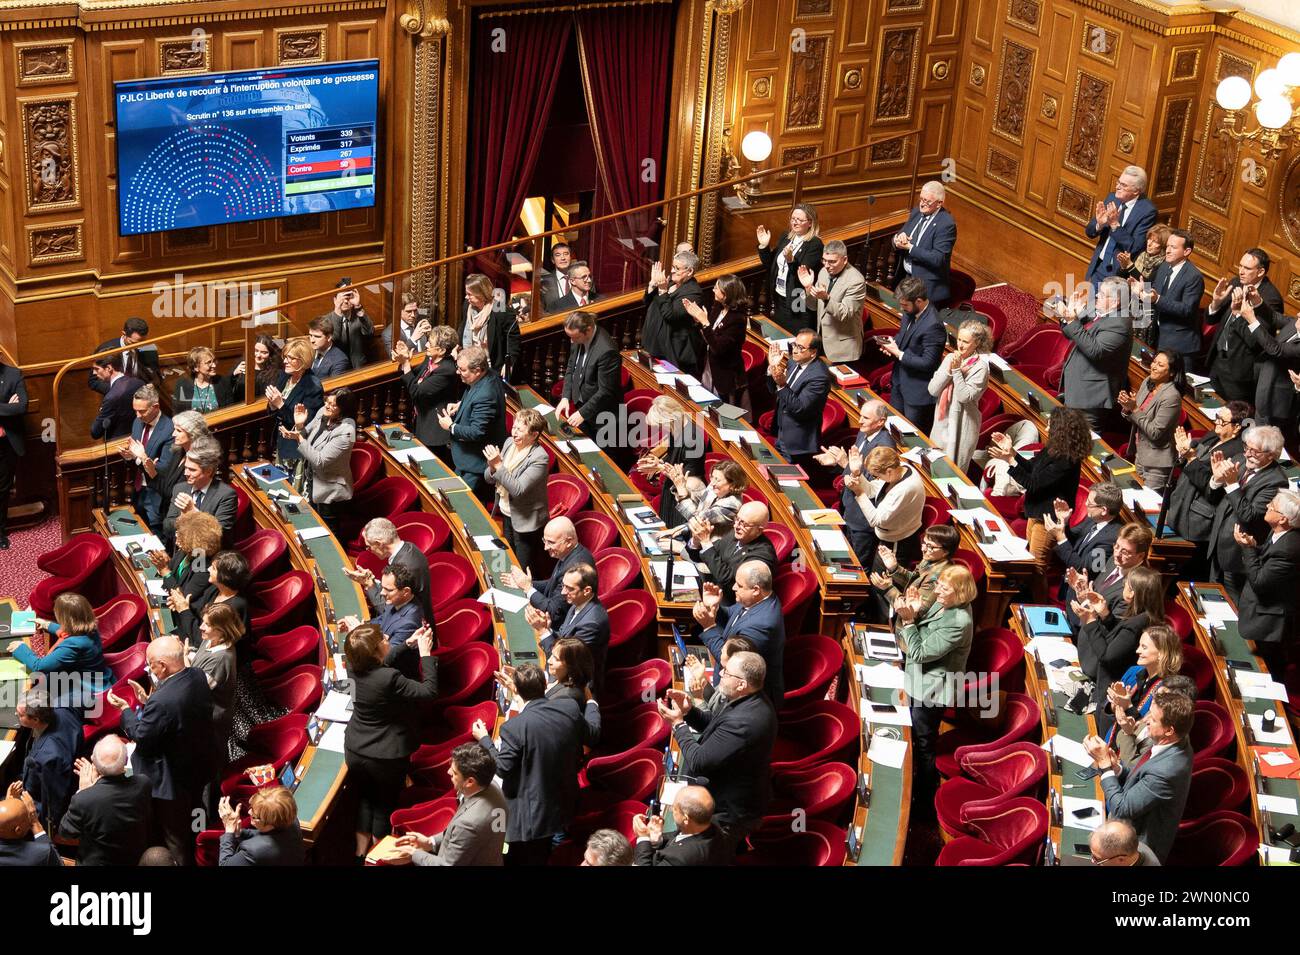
(1115, 843)
(175, 745)
(110, 813)
(560, 540)
(746, 540)
(22, 839)
(756, 614)
(697, 840)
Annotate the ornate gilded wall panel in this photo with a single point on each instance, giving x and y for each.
(1100, 42)
(50, 148)
(1173, 147)
(179, 56)
(1216, 168)
(805, 98)
(300, 46)
(1184, 64)
(1002, 167)
(1087, 124)
(1026, 14)
(1074, 203)
(1209, 238)
(51, 244)
(1012, 97)
(44, 62)
(896, 84)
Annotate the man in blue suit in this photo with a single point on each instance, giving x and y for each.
(477, 420)
(328, 359)
(917, 350)
(585, 620)
(400, 617)
(801, 384)
(756, 614)
(115, 413)
(925, 244)
(1120, 224)
(872, 433)
(151, 437)
(1175, 299)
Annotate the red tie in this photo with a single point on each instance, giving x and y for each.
(1145, 756)
(582, 300)
(1111, 578)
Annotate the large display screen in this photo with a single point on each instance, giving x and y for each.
(257, 144)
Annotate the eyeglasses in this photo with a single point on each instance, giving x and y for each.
(734, 676)
(800, 347)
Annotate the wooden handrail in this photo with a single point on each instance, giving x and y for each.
(461, 256)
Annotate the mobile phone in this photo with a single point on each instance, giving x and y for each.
(1087, 812)
(1238, 664)
(1086, 773)
(1052, 617)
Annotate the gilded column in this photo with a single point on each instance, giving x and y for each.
(427, 23)
(717, 59)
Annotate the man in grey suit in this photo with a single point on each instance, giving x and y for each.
(477, 829)
(1151, 792)
(840, 291)
(1096, 370)
(756, 614)
(1240, 490)
(202, 491)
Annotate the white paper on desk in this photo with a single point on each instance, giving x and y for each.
(886, 714)
(1071, 803)
(332, 738)
(887, 752)
(1275, 759)
(154, 585)
(1219, 612)
(507, 602)
(416, 452)
(902, 424)
(585, 446)
(1016, 547)
(340, 668)
(830, 541)
(667, 379)
(486, 542)
(1069, 750)
(311, 533)
(1143, 499)
(999, 362)
(563, 446)
(147, 542)
(967, 515)
(1277, 804)
(1066, 680)
(6, 747)
(1196, 380)
(1272, 855)
(734, 435)
(701, 395)
(883, 676)
(1284, 456)
(914, 455)
(1279, 737)
(1250, 677)
(1000, 550)
(643, 517)
(784, 483)
(668, 795)
(1211, 411)
(543, 409)
(336, 707)
(1265, 691)
(1050, 649)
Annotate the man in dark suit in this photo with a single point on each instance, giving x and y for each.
(1275, 396)
(730, 747)
(110, 813)
(115, 414)
(925, 244)
(275, 839)
(801, 383)
(1235, 352)
(173, 734)
(580, 293)
(327, 359)
(202, 491)
(352, 327)
(13, 408)
(1096, 370)
(555, 284)
(412, 327)
(47, 769)
(477, 420)
(537, 761)
(1131, 549)
(139, 363)
(585, 620)
(1087, 546)
(477, 830)
(560, 540)
(872, 433)
(23, 841)
(1270, 599)
(1120, 223)
(1175, 299)
(1240, 490)
(669, 332)
(382, 540)
(756, 614)
(697, 840)
(1151, 792)
(592, 381)
(745, 541)
(917, 351)
(151, 437)
(399, 617)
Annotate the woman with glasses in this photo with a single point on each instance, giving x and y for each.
(1154, 411)
(204, 390)
(800, 246)
(891, 495)
(716, 502)
(296, 385)
(938, 545)
(274, 840)
(1191, 514)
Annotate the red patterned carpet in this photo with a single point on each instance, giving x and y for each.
(18, 570)
(1021, 308)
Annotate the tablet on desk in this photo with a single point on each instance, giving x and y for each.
(288, 778)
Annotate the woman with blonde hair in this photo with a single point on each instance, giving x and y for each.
(488, 320)
(891, 495)
(959, 383)
(800, 246)
(203, 390)
(677, 441)
(1159, 657)
(296, 385)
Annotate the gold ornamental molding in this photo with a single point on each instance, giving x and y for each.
(151, 13)
(575, 8)
(426, 18)
(706, 152)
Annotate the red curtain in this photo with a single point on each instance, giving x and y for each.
(510, 105)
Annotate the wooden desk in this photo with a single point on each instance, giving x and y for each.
(1228, 644)
(9, 735)
(123, 520)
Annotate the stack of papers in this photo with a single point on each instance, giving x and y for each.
(901, 424)
(1054, 652)
(417, 452)
(1218, 612)
(543, 409)
(830, 541)
(1007, 547)
(1259, 686)
(1069, 750)
(332, 738)
(732, 436)
(823, 516)
(585, 446)
(1070, 805)
(643, 517)
(880, 675)
(336, 707)
(311, 533)
(147, 542)
(887, 752)
(1143, 499)
(701, 395)
(505, 601)
(487, 542)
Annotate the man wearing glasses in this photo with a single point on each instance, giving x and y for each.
(917, 351)
(580, 291)
(926, 242)
(670, 333)
(1240, 490)
(801, 384)
(1115, 843)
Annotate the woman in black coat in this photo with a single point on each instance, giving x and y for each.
(185, 573)
(296, 385)
(228, 578)
(267, 365)
(385, 727)
(1191, 514)
(432, 386)
(800, 246)
(724, 337)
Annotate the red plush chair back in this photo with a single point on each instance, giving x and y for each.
(820, 844)
(639, 727)
(631, 621)
(820, 731)
(809, 665)
(282, 603)
(266, 551)
(566, 495)
(1005, 833)
(451, 577)
(1221, 838)
(460, 622)
(277, 652)
(821, 791)
(120, 620)
(298, 690)
(1217, 784)
(365, 463)
(630, 686)
(1212, 732)
(617, 568)
(596, 531)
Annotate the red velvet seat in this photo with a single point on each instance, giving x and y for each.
(1221, 839)
(426, 818)
(630, 686)
(617, 817)
(128, 663)
(278, 742)
(820, 844)
(833, 416)
(1178, 618)
(991, 775)
(440, 529)
(795, 589)
(617, 569)
(1034, 347)
(566, 495)
(1217, 784)
(120, 621)
(639, 727)
(465, 675)
(283, 603)
(278, 652)
(633, 775)
(596, 531)
(1199, 667)
(385, 497)
(821, 791)
(960, 288)
(450, 578)
(437, 786)
(994, 318)
(460, 622)
(935, 511)
(1003, 833)
(782, 539)
(297, 690)
(244, 525)
(267, 553)
(818, 732)
(995, 652)
(809, 664)
(972, 562)
(109, 719)
(365, 463)
(631, 624)
(451, 730)
(83, 565)
(1017, 718)
(998, 422)
(1212, 732)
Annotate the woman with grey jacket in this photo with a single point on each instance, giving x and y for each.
(326, 446)
(1154, 412)
(519, 472)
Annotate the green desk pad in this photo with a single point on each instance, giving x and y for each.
(880, 834)
(615, 481)
(122, 521)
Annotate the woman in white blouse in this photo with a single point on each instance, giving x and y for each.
(892, 500)
(959, 383)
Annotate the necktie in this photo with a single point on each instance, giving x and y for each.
(582, 300)
(1113, 576)
(794, 376)
(563, 285)
(316, 364)
(1169, 277)
(198, 500)
(1245, 478)
(144, 443)
(925, 224)
(128, 363)
(1090, 535)
(1145, 756)
(580, 360)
